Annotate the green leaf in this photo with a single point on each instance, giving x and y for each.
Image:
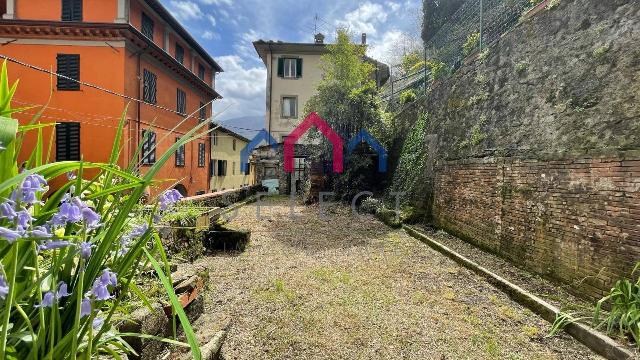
(188, 331)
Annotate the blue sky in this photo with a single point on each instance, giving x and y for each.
(227, 28)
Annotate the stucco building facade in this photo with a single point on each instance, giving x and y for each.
(226, 173)
(111, 52)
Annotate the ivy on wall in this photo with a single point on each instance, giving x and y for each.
(409, 175)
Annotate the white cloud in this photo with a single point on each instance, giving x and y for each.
(385, 49)
(185, 10)
(211, 19)
(217, 2)
(393, 6)
(210, 35)
(364, 19)
(242, 86)
(244, 44)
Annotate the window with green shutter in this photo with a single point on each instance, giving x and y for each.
(148, 147)
(180, 54)
(203, 112)
(68, 65)
(71, 10)
(147, 26)
(149, 89)
(181, 102)
(202, 154)
(180, 154)
(67, 141)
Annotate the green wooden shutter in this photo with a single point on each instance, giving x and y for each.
(298, 68)
(281, 67)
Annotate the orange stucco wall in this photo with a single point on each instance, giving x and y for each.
(115, 68)
(97, 113)
(163, 122)
(93, 10)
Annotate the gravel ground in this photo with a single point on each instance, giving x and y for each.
(349, 287)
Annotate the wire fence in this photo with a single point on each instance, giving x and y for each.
(475, 25)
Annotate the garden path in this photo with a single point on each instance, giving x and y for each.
(349, 287)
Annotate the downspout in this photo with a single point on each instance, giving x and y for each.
(270, 77)
(138, 121)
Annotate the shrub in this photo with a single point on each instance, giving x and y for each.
(407, 96)
(471, 43)
(623, 319)
(521, 67)
(370, 205)
(69, 260)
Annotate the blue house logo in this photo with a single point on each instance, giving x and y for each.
(261, 136)
(364, 136)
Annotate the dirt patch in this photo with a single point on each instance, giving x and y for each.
(346, 287)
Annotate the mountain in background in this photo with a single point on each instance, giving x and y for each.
(246, 126)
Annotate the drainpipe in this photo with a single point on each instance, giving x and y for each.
(138, 121)
(270, 87)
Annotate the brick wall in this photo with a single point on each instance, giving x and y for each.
(576, 220)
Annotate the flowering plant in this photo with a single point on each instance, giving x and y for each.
(68, 255)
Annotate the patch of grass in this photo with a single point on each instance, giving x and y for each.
(478, 98)
(419, 298)
(333, 277)
(530, 331)
(472, 43)
(509, 312)
(277, 292)
(521, 67)
(600, 51)
(552, 4)
(448, 294)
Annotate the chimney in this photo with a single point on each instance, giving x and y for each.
(364, 38)
(319, 38)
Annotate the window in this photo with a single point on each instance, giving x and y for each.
(180, 54)
(201, 72)
(212, 167)
(247, 168)
(289, 107)
(180, 154)
(148, 147)
(149, 88)
(202, 154)
(147, 26)
(233, 168)
(67, 141)
(68, 65)
(181, 102)
(200, 192)
(203, 111)
(222, 168)
(214, 138)
(233, 143)
(71, 10)
(290, 68)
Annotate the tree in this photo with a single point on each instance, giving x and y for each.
(347, 99)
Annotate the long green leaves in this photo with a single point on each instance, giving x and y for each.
(62, 291)
(191, 337)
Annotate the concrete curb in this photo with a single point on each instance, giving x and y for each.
(211, 351)
(594, 340)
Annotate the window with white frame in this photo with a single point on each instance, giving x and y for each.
(290, 68)
(289, 107)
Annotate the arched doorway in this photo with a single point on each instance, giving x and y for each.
(181, 189)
